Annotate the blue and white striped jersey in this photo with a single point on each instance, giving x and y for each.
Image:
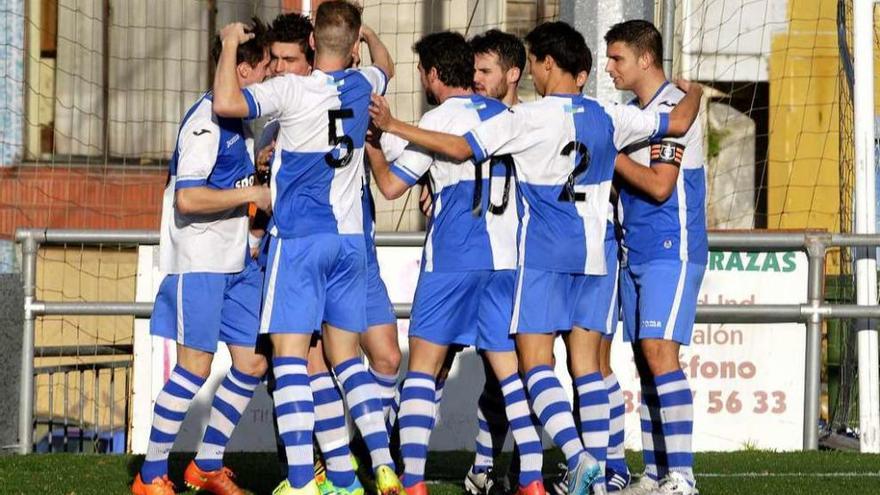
(471, 227)
(318, 166)
(212, 152)
(563, 148)
(675, 228)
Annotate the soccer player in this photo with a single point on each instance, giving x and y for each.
(666, 248)
(212, 288)
(464, 295)
(563, 147)
(499, 62)
(317, 260)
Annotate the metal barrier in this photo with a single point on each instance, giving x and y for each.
(811, 313)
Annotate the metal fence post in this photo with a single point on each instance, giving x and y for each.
(815, 247)
(26, 397)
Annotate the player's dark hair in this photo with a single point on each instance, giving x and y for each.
(509, 48)
(293, 28)
(252, 51)
(337, 27)
(562, 42)
(642, 36)
(450, 54)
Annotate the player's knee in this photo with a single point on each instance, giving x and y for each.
(661, 357)
(255, 366)
(387, 362)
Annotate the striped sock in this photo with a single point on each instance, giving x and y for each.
(653, 447)
(677, 415)
(417, 406)
(492, 423)
(524, 429)
(331, 430)
(388, 388)
(362, 397)
(616, 460)
(593, 412)
(553, 409)
(391, 417)
(168, 413)
(230, 401)
(295, 411)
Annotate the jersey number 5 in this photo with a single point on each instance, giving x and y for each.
(336, 140)
(568, 193)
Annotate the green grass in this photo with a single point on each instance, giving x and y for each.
(746, 473)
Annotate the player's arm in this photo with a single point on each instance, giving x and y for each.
(379, 53)
(685, 112)
(658, 180)
(201, 200)
(228, 98)
(390, 185)
(455, 147)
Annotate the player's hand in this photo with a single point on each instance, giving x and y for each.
(236, 32)
(264, 158)
(688, 86)
(374, 135)
(426, 201)
(380, 112)
(262, 198)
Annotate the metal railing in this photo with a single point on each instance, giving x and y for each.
(812, 313)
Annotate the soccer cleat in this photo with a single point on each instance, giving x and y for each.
(479, 483)
(644, 486)
(328, 488)
(534, 488)
(159, 486)
(616, 481)
(218, 482)
(584, 474)
(420, 488)
(387, 482)
(675, 484)
(284, 488)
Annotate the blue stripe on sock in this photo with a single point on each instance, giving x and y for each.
(294, 407)
(230, 412)
(677, 398)
(195, 379)
(330, 423)
(298, 379)
(678, 428)
(232, 387)
(162, 412)
(244, 377)
(672, 376)
(214, 437)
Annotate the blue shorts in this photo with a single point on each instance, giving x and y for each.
(659, 300)
(471, 308)
(200, 309)
(315, 279)
(543, 301)
(380, 311)
(595, 306)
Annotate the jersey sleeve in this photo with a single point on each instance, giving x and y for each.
(377, 78)
(414, 161)
(503, 134)
(269, 98)
(632, 125)
(392, 146)
(198, 144)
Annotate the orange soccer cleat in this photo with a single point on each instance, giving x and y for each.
(218, 482)
(159, 486)
(420, 488)
(534, 488)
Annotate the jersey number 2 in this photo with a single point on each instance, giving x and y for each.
(336, 140)
(568, 193)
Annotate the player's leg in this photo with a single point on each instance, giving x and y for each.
(616, 472)
(379, 342)
(492, 430)
(669, 298)
(331, 428)
(542, 305)
(345, 317)
(239, 327)
(293, 300)
(187, 309)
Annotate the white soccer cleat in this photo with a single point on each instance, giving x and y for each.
(479, 483)
(675, 484)
(644, 486)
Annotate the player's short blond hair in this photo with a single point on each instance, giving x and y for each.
(337, 27)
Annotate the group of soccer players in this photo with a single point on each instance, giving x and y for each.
(521, 246)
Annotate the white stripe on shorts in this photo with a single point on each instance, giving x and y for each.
(676, 302)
